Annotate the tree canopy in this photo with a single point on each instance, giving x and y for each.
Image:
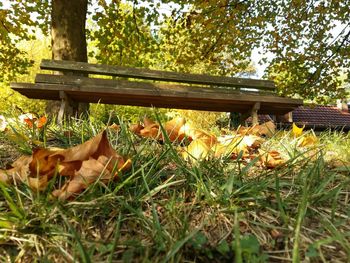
(306, 44)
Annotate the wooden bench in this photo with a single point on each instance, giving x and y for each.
(153, 88)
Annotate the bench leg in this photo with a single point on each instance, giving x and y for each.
(64, 99)
(234, 120)
(254, 113)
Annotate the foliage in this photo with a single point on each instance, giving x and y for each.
(305, 58)
(11, 101)
(17, 24)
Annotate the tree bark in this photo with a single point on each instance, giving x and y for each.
(68, 36)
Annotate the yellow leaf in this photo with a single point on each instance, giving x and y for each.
(308, 140)
(196, 150)
(296, 130)
(234, 144)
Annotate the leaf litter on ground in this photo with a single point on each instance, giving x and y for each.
(96, 159)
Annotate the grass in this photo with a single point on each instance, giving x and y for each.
(166, 210)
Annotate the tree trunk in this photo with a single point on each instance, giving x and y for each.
(68, 36)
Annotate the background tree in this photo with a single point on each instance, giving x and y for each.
(217, 37)
(68, 37)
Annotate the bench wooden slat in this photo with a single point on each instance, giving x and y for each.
(119, 71)
(83, 81)
(156, 94)
(102, 85)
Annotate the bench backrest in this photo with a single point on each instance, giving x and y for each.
(138, 73)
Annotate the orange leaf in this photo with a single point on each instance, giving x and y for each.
(44, 161)
(29, 122)
(148, 122)
(41, 122)
(173, 127)
(271, 159)
(136, 128)
(151, 131)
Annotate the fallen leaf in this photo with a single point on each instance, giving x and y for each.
(3, 123)
(308, 140)
(91, 170)
(196, 150)
(31, 120)
(338, 163)
(41, 122)
(276, 233)
(44, 161)
(27, 116)
(136, 128)
(234, 144)
(19, 171)
(148, 122)
(83, 163)
(114, 127)
(37, 183)
(151, 131)
(192, 133)
(271, 159)
(172, 128)
(267, 129)
(296, 130)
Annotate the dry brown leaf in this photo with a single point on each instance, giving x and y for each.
(44, 161)
(91, 170)
(84, 163)
(266, 129)
(69, 168)
(173, 127)
(136, 128)
(114, 127)
(151, 131)
(271, 159)
(4, 177)
(338, 163)
(98, 145)
(148, 122)
(192, 133)
(18, 172)
(37, 183)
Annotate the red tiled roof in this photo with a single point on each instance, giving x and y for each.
(321, 116)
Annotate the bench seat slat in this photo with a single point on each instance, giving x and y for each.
(144, 88)
(138, 73)
(158, 95)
